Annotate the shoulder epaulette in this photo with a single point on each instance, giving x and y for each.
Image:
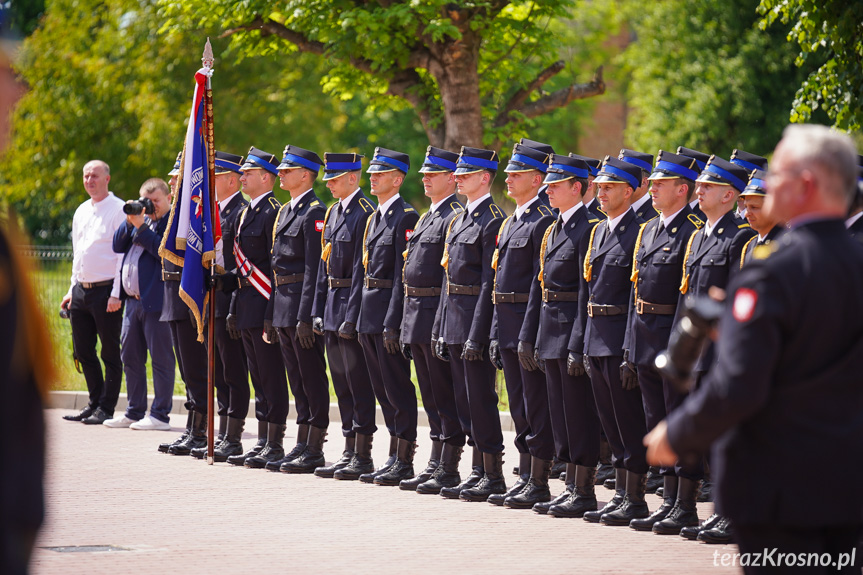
(409, 209)
(275, 203)
(456, 207)
(650, 220)
(544, 210)
(495, 211)
(764, 250)
(366, 205)
(601, 212)
(742, 226)
(695, 220)
(314, 203)
(594, 221)
(745, 249)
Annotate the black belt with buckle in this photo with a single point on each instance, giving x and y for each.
(170, 276)
(91, 285)
(291, 279)
(551, 295)
(500, 297)
(595, 309)
(339, 282)
(642, 307)
(371, 282)
(462, 290)
(422, 292)
(244, 282)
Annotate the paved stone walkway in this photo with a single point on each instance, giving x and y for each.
(178, 515)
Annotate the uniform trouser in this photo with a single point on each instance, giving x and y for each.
(391, 380)
(307, 376)
(540, 440)
(477, 378)
(192, 360)
(621, 413)
(232, 373)
(435, 382)
(143, 333)
(268, 377)
(512, 374)
(352, 384)
(90, 319)
(574, 421)
(803, 549)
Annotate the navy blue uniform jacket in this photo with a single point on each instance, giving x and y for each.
(229, 214)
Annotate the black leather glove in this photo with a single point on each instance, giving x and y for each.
(271, 332)
(525, 356)
(223, 282)
(305, 335)
(628, 375)
(575, 364)
(391, 340)
(441, 349)
(231, 326)
(540, 363)
(318, 325)
(406, 351)
(494, 354)
(587, 369)
(348, 330)
(472, 351)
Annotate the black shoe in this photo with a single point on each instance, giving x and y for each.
(662, 511)
(232, 445)
(536, 490)
(312, 457)
(684, 513)
(239, 459)
(197, 437)
(614, 503)
(299, 448)
(97, 417)
(446, 475)
(654, 480)
(347, 455)
(274, 449)
(660, 492)
(719, 534)
(543, 506)
(492, 482)
(524, 460)
(583, 498)
(610, 484)
(369, 477)
(403, 469)
(425, 474)
(691, 533)
(633, 506)
(476, 475)
(81, 415)
(361, 462)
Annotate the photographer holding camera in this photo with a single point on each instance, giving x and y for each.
(138, 238)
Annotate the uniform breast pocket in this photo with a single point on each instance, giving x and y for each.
(294, 229)
(518, 243)
(344, 235)
(717, 260)
(666, 260)
(430, 238)
(469, 236)
(253, 237)
(618, 260)
(385, 240)
(565, 254)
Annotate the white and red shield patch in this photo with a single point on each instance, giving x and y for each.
(744, 304)
(319, 225)
(408, 234)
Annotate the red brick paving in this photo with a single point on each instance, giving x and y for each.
(179, 515)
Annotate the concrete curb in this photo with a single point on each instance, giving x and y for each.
(79, 399)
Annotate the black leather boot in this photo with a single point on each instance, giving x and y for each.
(719, 534)
(240, 459)
(361, 462)
(523, 477)
(347, 455)
(583, 498)
(164, 447)
(646, 524)
(492, 482)
(476, 473)
(404, 466)
(605, 469)
(705, 492)
(684, 513)
(201, 452)
(558, 468)
(633, 506)
(614, 503)
(536, 490)
(391, 460)
(273, 450)
(232, 445)
(654, 480)
(425, 475)
(302, 440)
(313, 455)
(543, 506)
(197, 436)
(446, 474)
(691, 533)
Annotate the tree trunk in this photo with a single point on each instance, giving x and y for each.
(458, 81)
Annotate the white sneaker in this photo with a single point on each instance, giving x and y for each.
(149, 423)
(121, 421)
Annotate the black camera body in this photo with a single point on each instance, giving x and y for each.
(688, 338)
(144, 205)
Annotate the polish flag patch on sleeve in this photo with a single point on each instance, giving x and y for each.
(744, 304)
(408, 234)
(319, 225)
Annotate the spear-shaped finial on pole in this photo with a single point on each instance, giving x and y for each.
(207, 58)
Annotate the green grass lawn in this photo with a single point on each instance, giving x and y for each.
(52, 283)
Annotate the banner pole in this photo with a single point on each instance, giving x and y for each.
(208, 60)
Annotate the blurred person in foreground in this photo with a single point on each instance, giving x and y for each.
(786, 386)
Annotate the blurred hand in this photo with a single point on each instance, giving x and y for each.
(348, 330)
(659, 451)
(305, 335)
(231, 326)
(575, 364)
(391, 340)
(526, 356)
(494, 354)
(472, 351)
(318, 325)
(114, 304)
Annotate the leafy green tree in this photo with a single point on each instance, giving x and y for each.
(472, 71)
(704, 75)
(830, 33)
